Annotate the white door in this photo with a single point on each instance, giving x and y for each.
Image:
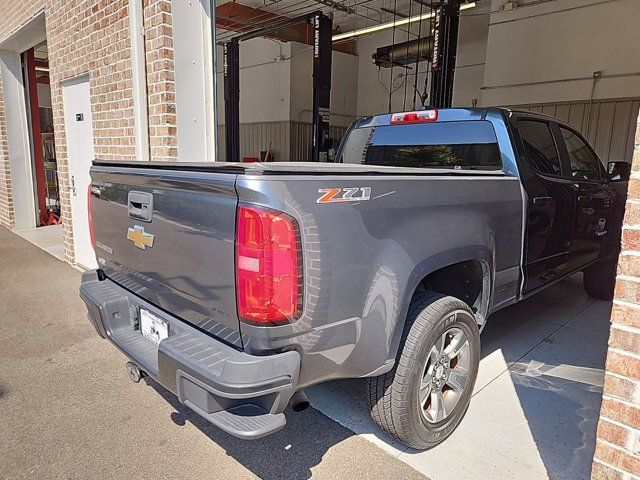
(79, 129)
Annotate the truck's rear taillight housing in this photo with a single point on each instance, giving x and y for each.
(90, 215)
(268, 266)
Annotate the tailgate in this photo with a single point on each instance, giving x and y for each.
(168, 236)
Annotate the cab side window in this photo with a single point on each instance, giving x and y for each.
(540, 146)
(584, 164)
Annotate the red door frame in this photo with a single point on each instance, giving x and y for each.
(38, 153)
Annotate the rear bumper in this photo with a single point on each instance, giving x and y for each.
(242, 394)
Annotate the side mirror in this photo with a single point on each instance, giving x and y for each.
(619, 171)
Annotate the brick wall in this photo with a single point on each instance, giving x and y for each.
(6, 198)
(93, 37)
(617, 455)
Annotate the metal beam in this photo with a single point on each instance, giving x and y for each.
(323, 26)
(447, 19)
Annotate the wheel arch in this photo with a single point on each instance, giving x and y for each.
(442, 267)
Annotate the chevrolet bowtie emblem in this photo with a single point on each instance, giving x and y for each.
(140, 238)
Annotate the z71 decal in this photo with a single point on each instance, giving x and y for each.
(340, 195)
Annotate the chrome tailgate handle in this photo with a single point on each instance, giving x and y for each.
(140, 205)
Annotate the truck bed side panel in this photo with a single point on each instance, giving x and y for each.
(363, 260)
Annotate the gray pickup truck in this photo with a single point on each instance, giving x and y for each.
(236, 286)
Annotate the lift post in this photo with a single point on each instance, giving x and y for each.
(231, 70)
(322, 54)
(447, 19)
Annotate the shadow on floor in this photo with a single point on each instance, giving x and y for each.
(289, 454)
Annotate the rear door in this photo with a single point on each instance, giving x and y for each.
(78, 126)
(550, 203)
(594, 198)
(169, 237)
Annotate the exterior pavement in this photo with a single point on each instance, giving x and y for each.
(68, 409)
(535, 409)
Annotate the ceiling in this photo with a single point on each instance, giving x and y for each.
(348, 15)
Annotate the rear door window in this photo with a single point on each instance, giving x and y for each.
(470, 145)
(539, 146)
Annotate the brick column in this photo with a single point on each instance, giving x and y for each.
(6, 194)
(617, 455)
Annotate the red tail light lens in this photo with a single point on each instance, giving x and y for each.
(90, 215)
(267, 266)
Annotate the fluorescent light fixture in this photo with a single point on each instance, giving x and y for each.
(42, 69)
(397, 23)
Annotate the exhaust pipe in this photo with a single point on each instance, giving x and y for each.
(299, 401)
(134, 372)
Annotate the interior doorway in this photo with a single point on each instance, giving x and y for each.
(35, 70)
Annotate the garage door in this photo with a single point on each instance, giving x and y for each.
(609, 125)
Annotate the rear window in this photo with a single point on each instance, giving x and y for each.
(468, 145)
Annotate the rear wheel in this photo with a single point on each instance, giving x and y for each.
(599, 280)
(425, 396)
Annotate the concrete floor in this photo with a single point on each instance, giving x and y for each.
(50, 239)
(69, 410)
(536, 402)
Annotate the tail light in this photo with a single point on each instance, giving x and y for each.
(268, 269)
(421, 116)
(90, 215)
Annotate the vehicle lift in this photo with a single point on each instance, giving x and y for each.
(445, 32)
(445, 45)
(323, 30)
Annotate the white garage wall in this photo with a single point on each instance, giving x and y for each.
(276, 97)
(373, 83)
(194, 101)
(265, 81)
(344, 84)
(471, 55)
(547, 51)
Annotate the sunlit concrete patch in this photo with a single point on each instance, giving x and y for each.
(50, 239)
(493, 441)
(535, 407)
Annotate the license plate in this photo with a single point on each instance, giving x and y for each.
(153, 327)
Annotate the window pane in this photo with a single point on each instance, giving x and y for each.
(461, 145)
(484, 156)
(584, 164)
(539, 146)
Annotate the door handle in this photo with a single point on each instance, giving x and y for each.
(72, 187)
(542, 200)
(585, 198)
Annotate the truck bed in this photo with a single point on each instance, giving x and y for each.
(293, 168)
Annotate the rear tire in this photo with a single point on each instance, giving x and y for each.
(425, 396)
(599, 280)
